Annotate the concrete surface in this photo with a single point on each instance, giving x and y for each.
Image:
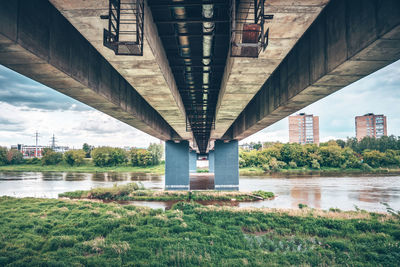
(177, 165)
(348, 41)
(149, 74)
(38, 42)
(226, 165)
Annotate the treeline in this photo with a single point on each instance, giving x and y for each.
(111, 156)
(101, 156)
(381, 144)
(275, 156)
(50, 157)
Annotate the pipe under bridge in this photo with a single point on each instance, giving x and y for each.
(200, 75)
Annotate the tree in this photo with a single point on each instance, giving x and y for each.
(46, 150)
(118, 156)
(374, 158)
(392, 157)
(52, 158)
(87, 149)
(14, 157)
(294, 152)
(156, 151)
(351, 159)
(141, 157)
(331, 156)
(341, 143)
(257, 146)
(3, 155)
(108, 156)
(74, 157)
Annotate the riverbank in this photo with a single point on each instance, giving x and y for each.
(73, 233)
(88, 167)
(132, 192)
(257, 171)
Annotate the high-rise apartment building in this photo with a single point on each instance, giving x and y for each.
(370, 125)
(304, 129)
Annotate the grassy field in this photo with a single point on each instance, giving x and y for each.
(50, 232)
(87, 167)
(133, 191)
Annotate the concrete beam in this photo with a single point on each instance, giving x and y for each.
(149, 74)
(38, 42)
(244, 77)
(349, 40)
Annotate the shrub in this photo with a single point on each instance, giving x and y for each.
(315, 164)
(276, 165)
(32, 161)
(332, 155)
(3, 155)
(302, 206)
(242, 163)
(265, 167)
(14, 157)
(292, 164)
(74, 157)
(156, 151)
(294, 152)
(108, 156)
(374, 158)
(52, 158)
(141, 157)
(118, 156)
(113, 192)
(366, 167)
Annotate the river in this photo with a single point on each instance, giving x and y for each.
(345, 193)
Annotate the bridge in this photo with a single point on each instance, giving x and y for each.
(200, 75)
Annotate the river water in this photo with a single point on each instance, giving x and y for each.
(345, 193)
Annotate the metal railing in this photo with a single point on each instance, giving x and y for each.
(249, 33)
(124, 34)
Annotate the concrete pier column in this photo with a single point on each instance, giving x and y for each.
(177, 165)
(226, 160)
(211, 161)
(192, 161)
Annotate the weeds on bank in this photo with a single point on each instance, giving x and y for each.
(133, 191)
(50, 232)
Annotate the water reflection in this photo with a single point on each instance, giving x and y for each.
(365, 192)
(312, 195)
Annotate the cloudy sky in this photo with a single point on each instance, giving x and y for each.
(27, 106)
(377, 93)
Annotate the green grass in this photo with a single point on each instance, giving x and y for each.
(50, 232)
(257, 171)
(87, 167)
(251, 171)
(133, 191)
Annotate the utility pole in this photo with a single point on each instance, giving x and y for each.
(36, 147)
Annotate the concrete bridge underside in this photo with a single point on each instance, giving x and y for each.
(316, 47)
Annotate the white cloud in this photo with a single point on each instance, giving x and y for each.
(378, 93)
(72, 128)
(26, 106)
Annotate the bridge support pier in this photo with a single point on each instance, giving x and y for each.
(192, 161)
(211, 161)
(226, 165)
(177, 165)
